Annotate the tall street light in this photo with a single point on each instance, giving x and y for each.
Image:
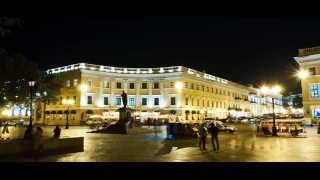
(31, 85)
(303, 75)
(68, 102)
(273, 91)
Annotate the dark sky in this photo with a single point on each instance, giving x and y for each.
(246, 50)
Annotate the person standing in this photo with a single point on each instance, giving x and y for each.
(5, 131)
(214, 136)
(203, 136)
(57, 131)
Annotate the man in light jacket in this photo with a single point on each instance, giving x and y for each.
(203, 136)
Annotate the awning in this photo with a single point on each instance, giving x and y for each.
(66, 112)
(89, 111)
(193, 112)
(47, 112)
(53, 112)
(144, 111)
(73, 111)
(187, 112)
(59, 112)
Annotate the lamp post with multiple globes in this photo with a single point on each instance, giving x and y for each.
(273, 91)
(68, 102)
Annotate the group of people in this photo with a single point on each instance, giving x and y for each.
(213, 129)
(39, 133)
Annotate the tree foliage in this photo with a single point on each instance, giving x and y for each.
(297, 102)
(6, 25)
(48, 88)
(15, 73)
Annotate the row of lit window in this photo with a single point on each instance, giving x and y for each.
(144, 85)
(208, 103)
(131, 101)
(186, 85)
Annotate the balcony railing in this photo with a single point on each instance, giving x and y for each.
(237, 98)
(231, 108)
(253, 102)
(239, 109)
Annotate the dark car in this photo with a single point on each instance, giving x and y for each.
(227, 129)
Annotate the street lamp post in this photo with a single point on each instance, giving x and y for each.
(275, 90)
(303, 75)
(31, 85)
(68, 102)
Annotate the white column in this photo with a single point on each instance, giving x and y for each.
(100, 101)
(112, 98)
(161, 93)
(83, 98)
(138, 101)
(125, 85)
(150, 94)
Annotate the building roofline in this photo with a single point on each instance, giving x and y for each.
(127, 70)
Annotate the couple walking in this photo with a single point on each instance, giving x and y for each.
(213, 129)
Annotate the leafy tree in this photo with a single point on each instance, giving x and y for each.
(297, 102)
(15, 73)
(48, 90)
(7, 23)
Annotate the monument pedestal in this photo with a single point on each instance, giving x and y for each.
(120, 126)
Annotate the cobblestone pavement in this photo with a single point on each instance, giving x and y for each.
(141, 145)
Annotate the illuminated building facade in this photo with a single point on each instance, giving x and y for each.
(178, 91)
(262, 104)
(309, 61)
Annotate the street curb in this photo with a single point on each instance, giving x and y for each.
(269, 136)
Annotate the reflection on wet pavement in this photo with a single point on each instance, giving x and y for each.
(141, 145)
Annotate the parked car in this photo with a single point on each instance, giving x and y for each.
(227, 129)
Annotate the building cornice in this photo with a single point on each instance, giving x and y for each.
(309, 58)
(161, 72)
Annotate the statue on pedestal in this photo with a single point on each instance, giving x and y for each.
(124, 99)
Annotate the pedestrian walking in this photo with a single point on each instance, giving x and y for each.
(37, 140)
(214, 130)
(5, 131)
(156, 128)
(203, 136)
(56, 131)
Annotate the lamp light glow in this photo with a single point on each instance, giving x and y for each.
(303, 74)
(83, 87)
(178, 85)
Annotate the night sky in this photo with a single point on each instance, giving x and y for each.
(247, 51)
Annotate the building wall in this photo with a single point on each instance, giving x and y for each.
(308, 59)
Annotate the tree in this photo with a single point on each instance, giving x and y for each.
(48, 90)
(297, 102)
(15, 72)
(7, 23)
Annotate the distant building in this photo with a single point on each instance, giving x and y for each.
(289, 100)
(309, 61)
(262, 104)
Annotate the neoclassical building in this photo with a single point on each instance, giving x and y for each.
(309, 62)
(187, 94)
(262, 103)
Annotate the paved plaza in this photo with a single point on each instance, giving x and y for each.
(141, 145)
